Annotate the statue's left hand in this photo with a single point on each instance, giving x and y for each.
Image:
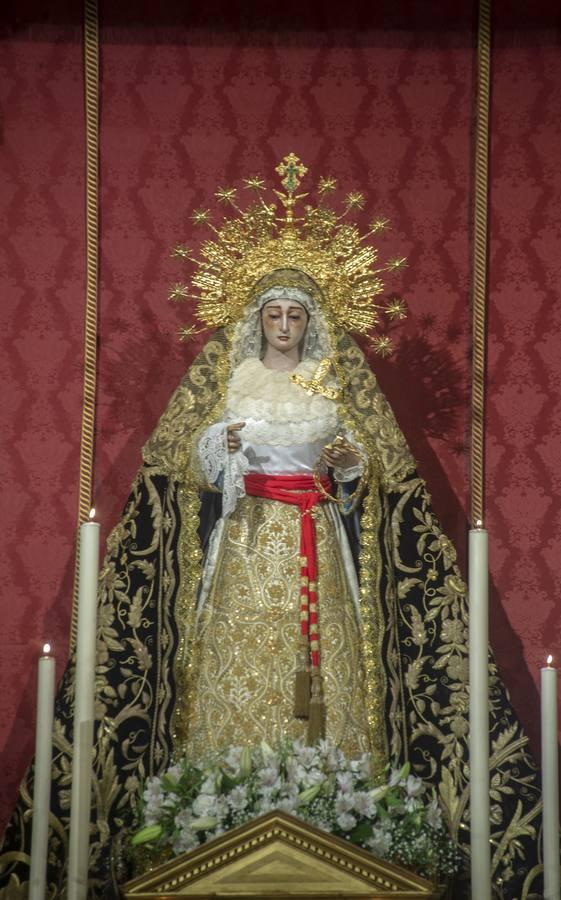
(340, 454)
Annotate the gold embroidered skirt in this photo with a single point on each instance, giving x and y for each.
(244, 665)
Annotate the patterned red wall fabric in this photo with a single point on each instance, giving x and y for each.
(524, 376)
(384, 105)
(41, 335)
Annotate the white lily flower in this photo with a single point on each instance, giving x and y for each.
(345, 781)
(237, 798)
(413, 786)
(344, 803)
(380, 842)
(204, 805)
(346, 821)
(364, 804)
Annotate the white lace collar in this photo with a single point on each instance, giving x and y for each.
(276, 410)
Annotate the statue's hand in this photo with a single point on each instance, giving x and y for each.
(233, 439)
(340, 454)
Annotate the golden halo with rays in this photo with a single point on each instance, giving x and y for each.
(288, 234)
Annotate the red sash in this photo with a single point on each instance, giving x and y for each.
(284, 488)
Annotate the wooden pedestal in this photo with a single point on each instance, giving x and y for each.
(279, 856)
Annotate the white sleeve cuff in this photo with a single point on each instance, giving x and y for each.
(213, 451)
(220, 465)
(236, 465)
(342, 475)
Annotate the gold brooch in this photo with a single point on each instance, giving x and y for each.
(315, 385)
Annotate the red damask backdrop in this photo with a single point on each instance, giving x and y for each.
(193, 100)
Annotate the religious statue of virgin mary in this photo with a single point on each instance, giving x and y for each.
(278, 571)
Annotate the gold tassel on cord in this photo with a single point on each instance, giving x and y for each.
(302, 684)
(316, 720)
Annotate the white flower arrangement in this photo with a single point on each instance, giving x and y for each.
(400, 821)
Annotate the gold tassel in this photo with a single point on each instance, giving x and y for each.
(302, 683)
(316, 721)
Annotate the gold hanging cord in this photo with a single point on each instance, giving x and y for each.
(480, 257)
(91, 91)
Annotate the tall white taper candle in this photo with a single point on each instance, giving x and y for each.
(550, 781)
(42, 775)
(479, 713)
(84, 688)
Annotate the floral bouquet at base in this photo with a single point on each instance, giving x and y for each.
(193, 802)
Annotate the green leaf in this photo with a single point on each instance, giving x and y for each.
(405, 770)
(361, 833)
(168, 783)
(228, 782)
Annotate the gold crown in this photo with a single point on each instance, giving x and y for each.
(317, 242)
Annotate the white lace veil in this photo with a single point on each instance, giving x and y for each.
(248, 337)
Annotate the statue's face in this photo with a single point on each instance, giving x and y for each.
(284, 324)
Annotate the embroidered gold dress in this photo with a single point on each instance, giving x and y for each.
(242, 689)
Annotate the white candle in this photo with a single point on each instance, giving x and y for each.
(550, 781)
(42, 775)
(84, 688)
(479, 714)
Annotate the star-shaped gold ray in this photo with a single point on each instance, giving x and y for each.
(383, 346)
(378, 225)
(398, 263)
(226, 195)
(178, 292)
(201, 216)
(186, 333)
(396, 308)
(256, 183)
(326, 185)
(181, 252)
(354, 200)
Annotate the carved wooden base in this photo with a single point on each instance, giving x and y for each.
(279, 856)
